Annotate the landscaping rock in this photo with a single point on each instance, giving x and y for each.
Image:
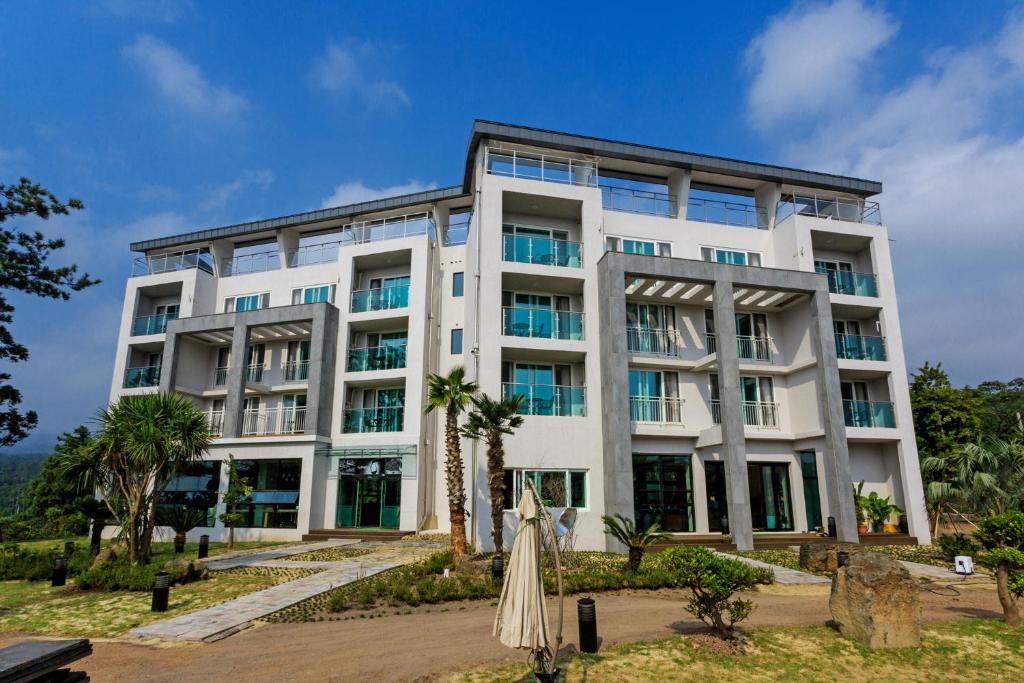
(823, 558)
(184, 571)
(108, 555)
(876, 602)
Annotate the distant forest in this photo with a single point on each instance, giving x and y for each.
(16, 471)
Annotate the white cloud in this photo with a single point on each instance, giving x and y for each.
(355, 192)
(179, 82)
(222, 194)
(350, 70)
(811, 59)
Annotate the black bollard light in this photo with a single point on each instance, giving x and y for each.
(97, 537)
(831, 527)
(904, 525)
(179, 544)
(161, 591)
(586, 613)
(60, 571)
(204, 546)
(69, 548)
(498, 567)
(842, 558)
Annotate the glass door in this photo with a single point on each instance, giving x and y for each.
(812, 495)
(770, 503)
(663, 491)
(718, 508)
(536, 383)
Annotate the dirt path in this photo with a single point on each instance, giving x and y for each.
(429, 644)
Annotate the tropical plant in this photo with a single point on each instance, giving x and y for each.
(879, 509)
(713, 580)
(625, 531)
(492, 420)
(451, 393)
(955, 545)
(143, 441)
(1003, 538)
(182, 519)
(858, 501)
(237, 494)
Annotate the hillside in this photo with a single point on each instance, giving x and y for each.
(16, 471)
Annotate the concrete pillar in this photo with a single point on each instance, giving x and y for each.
(234, 402)
(836, 458)
(323, 345)
(767, 196)
(169, 359)
(287, 241)
(734, 444)
(679, 187)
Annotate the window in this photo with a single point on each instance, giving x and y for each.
(736, 258)
(246, 302)
(313, 295)
(274, 503)
(456, 341)
(195, 487)
(634, 246)
(557, 488)
(458, 284)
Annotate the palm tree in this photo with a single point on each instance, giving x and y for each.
(143, 441)
(182, 519)
(625, 531)
(491, 421)
(451, 393)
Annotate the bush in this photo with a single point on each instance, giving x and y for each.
(21, 564)
(120, 575)
(713, 580)
(957, 544)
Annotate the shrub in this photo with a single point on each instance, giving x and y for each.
(1002, 536)
(713, 580)
(625, 531)
(956, 544)
(120, 575)
(19, 563)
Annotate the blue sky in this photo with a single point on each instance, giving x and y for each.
(174, 115)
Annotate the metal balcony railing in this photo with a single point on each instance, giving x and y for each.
(380, 299)
(273, 421)
(295, 370)
(370, 420)
(548, 399)
(542, 251)
(215, 420)
(726, 213)
(638, 201)
(654, 341)
(541, 323)
(544, 167)
(656, 409)
(254, 373)
(856, 284)
(143, 376)
(220, 376)
(758, 414)
(251, 263)
(179, 260)
(869, 414)
(747, 348)
(152, 324)
(370, 358)
(860, 347)
(828, 207)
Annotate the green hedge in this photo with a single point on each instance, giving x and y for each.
(19, 563)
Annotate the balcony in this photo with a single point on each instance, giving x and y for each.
(542, 251)
(215, 421)
(167, 263)
(544, 167)
(539, 323)
(373, 420)
(547, 399)
(251, 263)
(756, 414)
(313, 254)
(747, 348)
(254, 374)
(869, 414)
(726, 213)
(653, 341)
(370, 358)
(457, 230)
(656, 409)
(220, 376)
(638, 201)
(152, 324)
(831, 208)
(380, 299)
(148, 376)
(860, 347)
(273, 421)
(846, 282)
(295, 370)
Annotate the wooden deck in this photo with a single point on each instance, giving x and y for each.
(359, 534)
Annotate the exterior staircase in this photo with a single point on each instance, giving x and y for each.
(357, 534)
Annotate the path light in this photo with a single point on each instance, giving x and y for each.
(586, 613)
(831, 527)
(69, 547)
(60, 571)
(498, 566)
(161, 591)
(204, 546)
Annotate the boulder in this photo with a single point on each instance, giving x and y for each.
(184, 571)
(876, 602)
(109, 555)
(823, 558)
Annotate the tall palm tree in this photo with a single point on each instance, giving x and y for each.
(142, 442)
(491, 421)
(451, 393)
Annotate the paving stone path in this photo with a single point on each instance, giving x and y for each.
(227, 618)
(257, 557)
(783, 575)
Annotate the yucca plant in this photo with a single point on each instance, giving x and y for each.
(182, 519)
(625, 531)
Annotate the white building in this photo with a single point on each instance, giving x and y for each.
(710, 343)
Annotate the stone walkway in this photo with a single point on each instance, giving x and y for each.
(783, 575)
(227, 618)
(257, 557)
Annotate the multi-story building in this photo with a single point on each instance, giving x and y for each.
(709, 343)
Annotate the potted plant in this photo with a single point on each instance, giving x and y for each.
(858, 507)
(879, 510)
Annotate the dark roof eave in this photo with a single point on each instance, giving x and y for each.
(580, 144)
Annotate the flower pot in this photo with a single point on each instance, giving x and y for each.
(862, 528)
(891, 528)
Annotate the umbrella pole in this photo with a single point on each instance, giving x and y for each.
(558, 572)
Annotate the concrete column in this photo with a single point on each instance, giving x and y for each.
(169, 362)
(836, 458)
(767, 196)
(323, 345)
(734, 444)
(679, 187)
(234, 402)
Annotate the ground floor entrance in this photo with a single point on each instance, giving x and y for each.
(771, 506)
(369, 493)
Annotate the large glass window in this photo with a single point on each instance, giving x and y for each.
(194, 486)
(663, 491)
(736, 258)
(557, 488)
(274, 503)
(458, 283)
(812, 495)
(246, 302)
(313, 295)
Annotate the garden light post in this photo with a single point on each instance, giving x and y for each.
(204, 546)
(60, 571)
(586, 614)
(161, 591)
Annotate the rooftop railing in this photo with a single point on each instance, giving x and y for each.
(259, 262)
(151, 324)
(638, 201)
(869, 414)
(656, 409)
(179, 260)
(832, 208)
(726, 213)
(544, 167)
(548, 399)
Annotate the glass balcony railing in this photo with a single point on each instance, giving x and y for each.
(833, 208)
(638, 201)
(370, 420)
(152, 324)
(846, 282)
(869, 414)
(659, 342)
(860, 347)
(541, 323)
(148, 376)
(251, 263)
(726, 213)
(313, 254)
(370, 358)
(179, 260)
(542, 251)
(380, 299)
(655, 409)
(547, 399)
(544, 167)
(457, 230)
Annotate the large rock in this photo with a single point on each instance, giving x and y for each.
(185, 571)
(876, 602)
(823, 558)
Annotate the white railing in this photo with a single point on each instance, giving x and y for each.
(660, 342)
(828, 207)
(656, 409)
(545, 167)
(711, 342)
(215, 419)
(759, 414)
(295, 370)
(251, 263)
(273, 421)
(754, 348)
(254, 373)
(220, 376)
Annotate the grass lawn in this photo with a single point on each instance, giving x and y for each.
(971, 650)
